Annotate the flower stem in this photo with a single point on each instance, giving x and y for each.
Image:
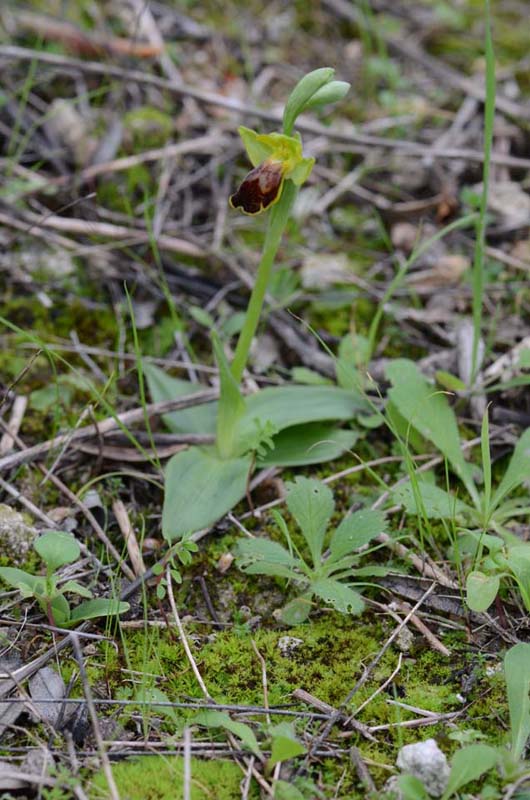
(277, 221)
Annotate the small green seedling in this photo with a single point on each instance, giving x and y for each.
(417, 410)
(325, 575)
(57, 549)
(181, 552)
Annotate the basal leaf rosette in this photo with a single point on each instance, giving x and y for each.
(275, 158)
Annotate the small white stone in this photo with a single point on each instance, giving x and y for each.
(426, 762)
(288, 644)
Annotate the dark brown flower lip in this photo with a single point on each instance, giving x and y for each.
(260, 189)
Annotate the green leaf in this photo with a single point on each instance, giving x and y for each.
(302, 94)
(197, 419)
(99, 607)
(517, 675)
(481, 590)
(57, 549)
(430, 413)
(331, 92)
(518, 469)
(231, 404)
(21, 580)
(285, 406)
(311, 504)
(149, 697)
(200, 489)
(60, 609)
(338, 595)
(76, 588)
(412, 788)
(435, 502)
(312, 443)
(355, 531)
(287, 791)
(468, 764)
(263, 557)
(296, 611)
(518, 559)
(285, 745)
(220, 719)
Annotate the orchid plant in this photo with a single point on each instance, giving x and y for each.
(282, 426)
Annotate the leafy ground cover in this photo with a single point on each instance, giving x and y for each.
(264, 409)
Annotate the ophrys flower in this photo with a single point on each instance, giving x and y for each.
(275, 158)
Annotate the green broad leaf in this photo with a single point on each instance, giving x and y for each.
(200, 489)
(76, 588)
(518, 559)
(57, 549)
(60, 609)
(285, 406)
(287, 791)
(517, 676)
(21, 580)
(308, 377)
(481, 590)
(312, 443)
(338, 595)
(263, 557)
(311, 504)
(285, 745)
(436, 503)
(296, 611)
(468, 764)
(98, 607)
(198, 419)
(412, 788)
(150, 698)
(518, 469)
(430, 413)
(231, 405)
(220, 719)
(355, 531)
(450, 382)
(302, 93)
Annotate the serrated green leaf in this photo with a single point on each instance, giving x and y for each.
(436, 503)
(263, 557)
(311, 504)
(338, 595)
(355, 531)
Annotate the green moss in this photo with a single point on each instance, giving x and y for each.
(160, 778)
